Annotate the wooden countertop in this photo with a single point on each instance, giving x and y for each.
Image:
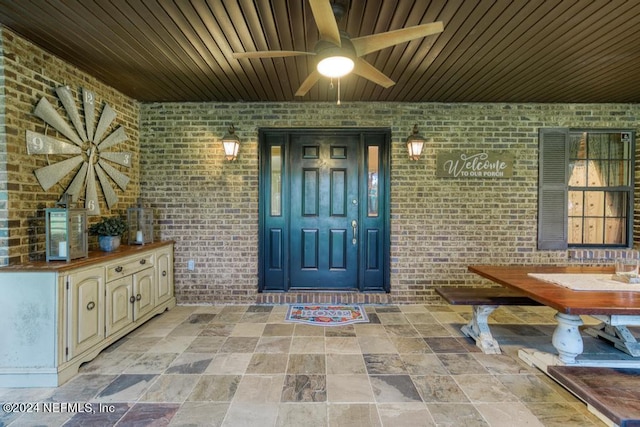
(560, 298)
(93, 258)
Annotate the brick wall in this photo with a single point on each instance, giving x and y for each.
(438, 226)
(210, 206)
(30, 73)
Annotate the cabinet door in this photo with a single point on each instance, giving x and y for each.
(164, 269)
(119, 304)
(86, 310)
(143, 290)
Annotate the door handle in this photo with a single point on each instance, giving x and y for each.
(354, 225)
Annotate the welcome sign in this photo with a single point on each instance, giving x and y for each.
(466, 164)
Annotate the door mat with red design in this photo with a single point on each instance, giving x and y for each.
(326, 314)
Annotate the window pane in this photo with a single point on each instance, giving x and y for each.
(616, 204)
(576, 203)
(618, 173)
(578, 173)
(577, 146)
(615, 231)
(575, 231)
(594, 203)
(593, 231)
(372, 181)
(276, 181)
(597, 172)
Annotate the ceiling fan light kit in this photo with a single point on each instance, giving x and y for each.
(335, 61)
(338, 54)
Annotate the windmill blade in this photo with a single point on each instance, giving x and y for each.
(118, 177)
(116, 137)
(369, 72)
(375, 42)
(123, 158)
(76, 185)
(270, 54)
(46, 112)
(38, 143)
(50, 175)
(107, 116)
(66, 97)
(91, 203)
(110, 195)
(325, 21)
(308, 83)
(89, 105)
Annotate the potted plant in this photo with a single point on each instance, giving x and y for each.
(109, 231)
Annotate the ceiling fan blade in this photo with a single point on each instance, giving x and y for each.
(308, 83)
(375, 42)
(325, 21)
(369, 72)
(270, 54)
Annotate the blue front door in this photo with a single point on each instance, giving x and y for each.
(324, 210)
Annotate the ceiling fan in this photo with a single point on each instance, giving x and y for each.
(338, 54)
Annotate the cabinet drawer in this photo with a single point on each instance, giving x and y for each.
(128, 266)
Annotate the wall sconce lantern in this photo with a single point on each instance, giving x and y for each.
(415, 142)
(231, 144)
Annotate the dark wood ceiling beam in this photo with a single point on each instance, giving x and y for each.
(544, 61)
(215, 50)
(420, 60)
(510, 48)
(83, 45)
(149, 52)
(604, 32)
(182, 19)
(223, 26)
(475, 52)
(483, 15)
(182, 48)
(426, 61)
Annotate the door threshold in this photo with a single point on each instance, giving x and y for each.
(323, 297)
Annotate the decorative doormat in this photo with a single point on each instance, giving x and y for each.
(326, 314)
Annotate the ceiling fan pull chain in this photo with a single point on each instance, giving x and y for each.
(338, 90)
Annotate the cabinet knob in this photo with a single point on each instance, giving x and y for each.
(91, 305)
(138, 297)
(143, 261)
(132, 299)
(164, 273)
(119, 269)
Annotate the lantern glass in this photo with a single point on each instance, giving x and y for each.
(67, 234)
(140, 222)
(415, 148)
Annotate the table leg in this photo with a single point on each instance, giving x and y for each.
(566, 337)
(478, 329)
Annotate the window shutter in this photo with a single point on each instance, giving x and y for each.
(553, 171)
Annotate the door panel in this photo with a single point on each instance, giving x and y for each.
(324, 209)
(323, 176)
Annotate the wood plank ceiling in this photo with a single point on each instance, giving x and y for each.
(490, 50)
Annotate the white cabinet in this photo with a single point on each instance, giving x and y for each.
(164, 271)
(86, 309)
(119, 306)
(63, 314)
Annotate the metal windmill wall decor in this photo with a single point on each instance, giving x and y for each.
(87, 143)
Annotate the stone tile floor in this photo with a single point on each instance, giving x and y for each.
(245, 366)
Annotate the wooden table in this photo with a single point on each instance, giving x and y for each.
(616, 310)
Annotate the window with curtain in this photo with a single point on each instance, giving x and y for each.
(586, 188)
